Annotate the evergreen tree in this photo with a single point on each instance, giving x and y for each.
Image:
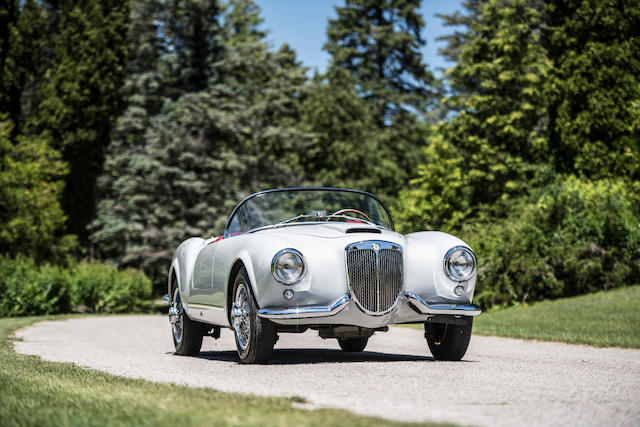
(459, 38)
(378, 42)
(9, 15)
(172, 45)
(81, 98)
(31, 220)
(484, 154)
(126, 168)
(191, 33)
(546, 95)
(349, 151)
(594, 90)
(205, 150)
(23, 35)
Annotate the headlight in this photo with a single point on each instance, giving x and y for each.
(288, 266)
(459, 263)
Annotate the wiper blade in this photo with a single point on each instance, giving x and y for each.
(295, 218)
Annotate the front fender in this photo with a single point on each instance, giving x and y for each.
(424, 271)
(247, 261)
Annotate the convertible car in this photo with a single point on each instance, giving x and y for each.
(326, 259)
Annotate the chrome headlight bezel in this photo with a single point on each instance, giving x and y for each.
(451, 273)
(274, 267)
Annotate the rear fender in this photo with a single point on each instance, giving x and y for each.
(174, 272)
(183, 262)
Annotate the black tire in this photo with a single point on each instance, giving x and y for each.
(353, 345)
(448, 341)
(256, 344)
(187, 334)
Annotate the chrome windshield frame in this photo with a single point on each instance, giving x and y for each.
(275, 190)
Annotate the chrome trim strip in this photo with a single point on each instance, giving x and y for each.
(442, 308)
(204, 306)
(304, 312)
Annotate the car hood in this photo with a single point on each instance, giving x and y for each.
(347, 232)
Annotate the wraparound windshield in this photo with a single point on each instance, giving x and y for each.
(293, 206)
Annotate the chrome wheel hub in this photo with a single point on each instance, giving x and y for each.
(241, 317)
(176, 317)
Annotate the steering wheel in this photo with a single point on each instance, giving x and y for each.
(341, 211)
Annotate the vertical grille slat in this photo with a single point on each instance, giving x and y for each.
(375, 276)
(390, 276)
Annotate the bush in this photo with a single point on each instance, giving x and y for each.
(27, 288)
(572, 237)
(102, 288)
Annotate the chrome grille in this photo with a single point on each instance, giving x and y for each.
(375, 274)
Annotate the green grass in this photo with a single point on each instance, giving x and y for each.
(603, 319)
(35, 392)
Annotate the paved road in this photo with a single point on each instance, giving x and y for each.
(500, 381)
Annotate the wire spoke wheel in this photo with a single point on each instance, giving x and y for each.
(241, 317)
(255, 336)
(187, 334)
(176, 317)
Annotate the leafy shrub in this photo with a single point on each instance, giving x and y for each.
(27, 288)
(572, 237)
(102, 288)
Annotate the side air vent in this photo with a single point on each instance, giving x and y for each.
(364, 230)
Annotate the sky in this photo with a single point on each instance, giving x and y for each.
(303, 24)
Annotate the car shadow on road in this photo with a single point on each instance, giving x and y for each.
(313, 356)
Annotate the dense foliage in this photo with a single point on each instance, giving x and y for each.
(80, 96)
(530, 169)
(571, 237)
(375, 53)
(594, 114)
(134, 124)
(31, 219)
(101, 288)
(488, 150)
(28, 288)
(378, 42)
(180, 160)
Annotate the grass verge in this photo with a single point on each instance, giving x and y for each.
(35, 392)
(603, 319)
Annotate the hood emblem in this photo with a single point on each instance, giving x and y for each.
(376, 247)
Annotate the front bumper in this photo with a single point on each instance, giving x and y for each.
(442, 308)
(308, 312)
(344, 311)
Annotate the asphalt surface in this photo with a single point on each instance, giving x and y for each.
(499, 382)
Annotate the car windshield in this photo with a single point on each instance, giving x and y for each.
(293, 206)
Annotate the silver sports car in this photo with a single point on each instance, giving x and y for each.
(326, 259)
